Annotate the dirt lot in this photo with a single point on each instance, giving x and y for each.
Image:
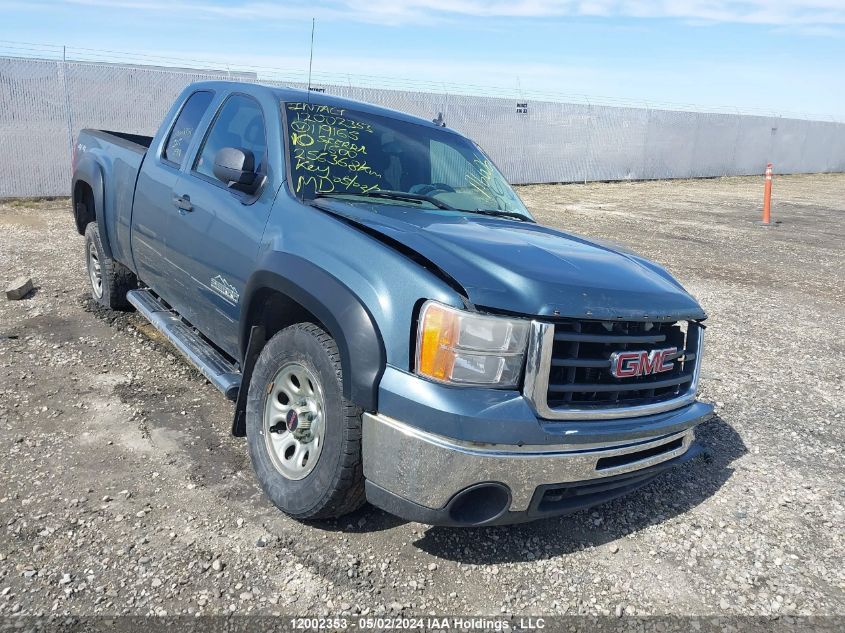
(121, 490)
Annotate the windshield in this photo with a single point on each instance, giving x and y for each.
(364, 157)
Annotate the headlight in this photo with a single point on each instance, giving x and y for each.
(464, 348)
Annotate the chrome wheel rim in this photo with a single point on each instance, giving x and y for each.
(294, 426)
(95, 271)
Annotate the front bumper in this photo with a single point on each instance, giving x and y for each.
(429, 478)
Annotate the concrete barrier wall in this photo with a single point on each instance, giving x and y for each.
(44, 103)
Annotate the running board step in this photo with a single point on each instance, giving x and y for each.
(213, 364)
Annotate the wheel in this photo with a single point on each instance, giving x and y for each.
(110, 280)
(304, 438)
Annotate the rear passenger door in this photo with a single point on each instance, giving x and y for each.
(153, 209)
(219, 237)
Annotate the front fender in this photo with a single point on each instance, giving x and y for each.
(340, 311)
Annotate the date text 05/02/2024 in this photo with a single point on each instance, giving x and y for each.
(424, 623)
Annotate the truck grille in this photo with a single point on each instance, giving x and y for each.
(572, 374)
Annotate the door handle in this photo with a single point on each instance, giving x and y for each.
(183, 203)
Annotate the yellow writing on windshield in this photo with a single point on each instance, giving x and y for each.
(487, 182)
(483, 176)
(329, 150)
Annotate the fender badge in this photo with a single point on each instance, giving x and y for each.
(225, 289)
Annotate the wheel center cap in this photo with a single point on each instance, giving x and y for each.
(292, 420)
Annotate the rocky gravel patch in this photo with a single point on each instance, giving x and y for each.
(122, 491)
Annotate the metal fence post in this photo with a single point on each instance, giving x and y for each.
(68, 112)
(645, 170)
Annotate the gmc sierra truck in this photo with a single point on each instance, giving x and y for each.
(390, 321)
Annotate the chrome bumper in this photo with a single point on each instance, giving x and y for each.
(429, 469)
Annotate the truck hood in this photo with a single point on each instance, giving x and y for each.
(527, 268)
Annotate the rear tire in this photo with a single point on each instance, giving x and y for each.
(109, 280)
(308, 462)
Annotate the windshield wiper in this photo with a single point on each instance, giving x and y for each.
(418, 197)
(390, 195)
(493, 212)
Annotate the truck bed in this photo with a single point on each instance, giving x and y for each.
(134, 142)
(117, 158)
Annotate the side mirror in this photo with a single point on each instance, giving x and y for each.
(235, 167)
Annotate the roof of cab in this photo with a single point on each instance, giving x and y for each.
(316, 98)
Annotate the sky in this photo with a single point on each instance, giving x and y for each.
(784, 56)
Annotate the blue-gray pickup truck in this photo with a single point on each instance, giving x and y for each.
(390, 321)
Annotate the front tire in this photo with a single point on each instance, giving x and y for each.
(304, 438)
(109, 280)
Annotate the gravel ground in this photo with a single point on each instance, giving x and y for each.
(123, 492)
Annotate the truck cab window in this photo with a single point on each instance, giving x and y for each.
(176, 148)
(449, 166)
(239, 124)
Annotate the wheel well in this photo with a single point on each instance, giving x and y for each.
(83, 206)
(273, 311)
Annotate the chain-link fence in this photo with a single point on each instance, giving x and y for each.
(44, 104)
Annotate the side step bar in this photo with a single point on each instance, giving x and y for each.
(213, 365)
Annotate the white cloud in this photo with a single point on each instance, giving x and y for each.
(767, 12)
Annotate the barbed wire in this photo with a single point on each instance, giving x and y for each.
(12, 48)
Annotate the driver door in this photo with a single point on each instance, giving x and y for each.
(216, 238)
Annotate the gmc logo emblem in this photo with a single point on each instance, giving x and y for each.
(632, 364)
